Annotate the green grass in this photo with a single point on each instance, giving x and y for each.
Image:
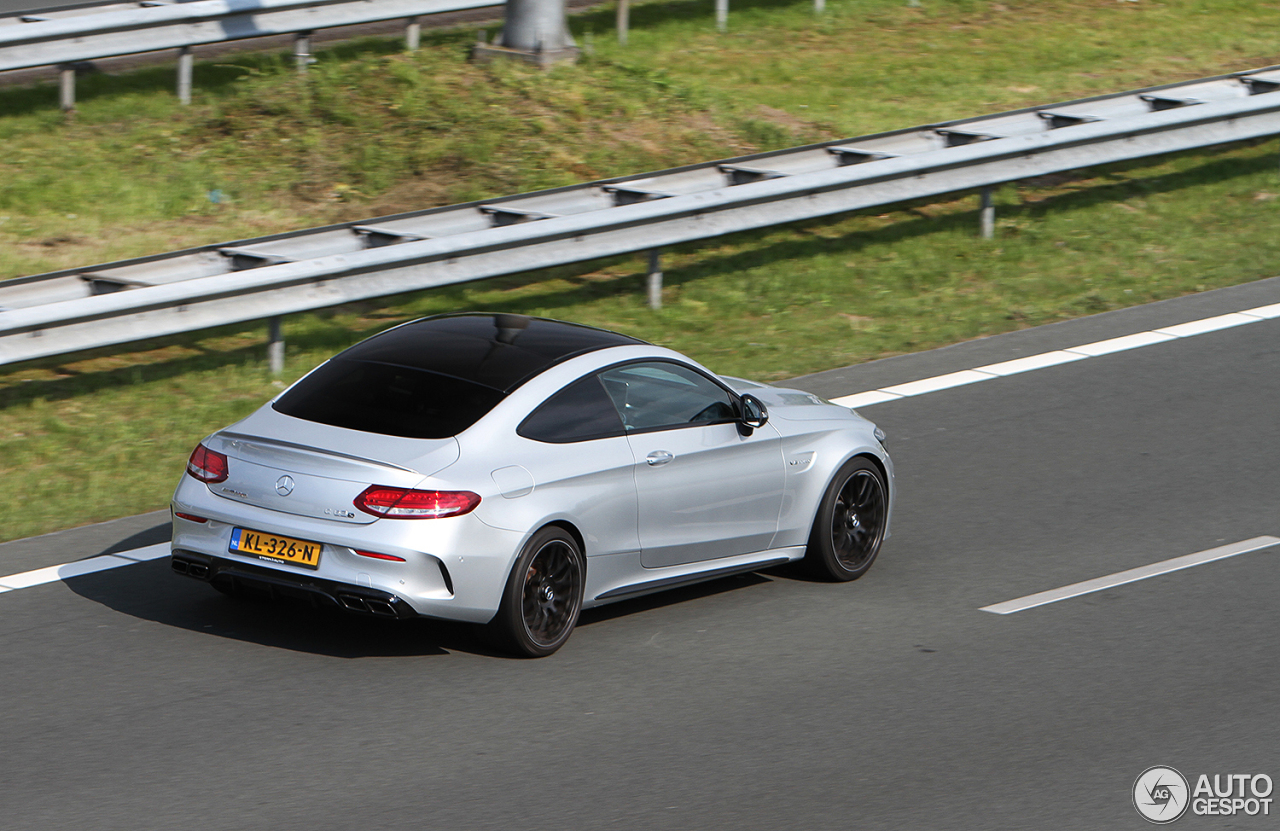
(373, 131)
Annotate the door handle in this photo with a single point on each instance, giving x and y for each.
(658, 457)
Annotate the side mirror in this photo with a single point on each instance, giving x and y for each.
(752, 414)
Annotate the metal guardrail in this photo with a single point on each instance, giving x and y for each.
(69, 36)
(68, 311)
(65, 37)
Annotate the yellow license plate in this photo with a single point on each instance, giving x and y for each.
(275, 548)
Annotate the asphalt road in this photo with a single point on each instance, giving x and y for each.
(135, 699)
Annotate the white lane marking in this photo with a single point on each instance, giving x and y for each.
(1208, 324)
(1106, 347)
(1120, 578)
(1047, 359)
(52, 574)
(865, 399)
(142, 555)
(1264, 312)
(939, 382)
(1044, 359)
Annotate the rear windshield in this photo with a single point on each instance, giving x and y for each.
(388, 399)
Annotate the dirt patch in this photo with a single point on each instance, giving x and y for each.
(416, 194)
(783, 119)
(54, 242)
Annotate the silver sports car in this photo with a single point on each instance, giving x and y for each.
(512, 471)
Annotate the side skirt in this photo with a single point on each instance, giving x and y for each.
(663, 583)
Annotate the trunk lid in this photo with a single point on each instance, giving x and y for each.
(315, 470)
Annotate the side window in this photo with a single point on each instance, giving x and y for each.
(579, 412)
(660, 394)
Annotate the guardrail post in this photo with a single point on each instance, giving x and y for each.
(412, 34)
(275, 345)
(302, 51)
(655, 278)
(722, 15)
(624, 20)
(184, 75)
(535, 31)
(819, 6)
(67, 87)
(988, 214)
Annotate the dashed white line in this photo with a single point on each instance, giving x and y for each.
(1061, 356)
(1134, 574)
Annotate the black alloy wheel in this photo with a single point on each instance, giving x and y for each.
(543, 596)
(850, 525)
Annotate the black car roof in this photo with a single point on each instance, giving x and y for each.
(499, 351)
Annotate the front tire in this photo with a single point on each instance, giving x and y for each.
(850, 525)
(543, 597)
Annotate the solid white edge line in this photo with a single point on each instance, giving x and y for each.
(939, 382)
(1264, 312)
(1044, 359)
(865, 399)
(52, 574)
(104, 562)
(1132, 575)
(1208, 324)
(145, 554)
(1123, 344)
(1061, 356)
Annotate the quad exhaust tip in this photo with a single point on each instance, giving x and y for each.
(191, 568)
(370, 605)
(351, 601)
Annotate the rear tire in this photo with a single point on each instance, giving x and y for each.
(850, 524)
(543, 597)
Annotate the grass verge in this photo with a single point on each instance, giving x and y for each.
(374, 131)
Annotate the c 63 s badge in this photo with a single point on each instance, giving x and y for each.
(1161, 794)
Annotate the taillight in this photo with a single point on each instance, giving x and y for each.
(190, 517)
(404, 503)
(207, 465)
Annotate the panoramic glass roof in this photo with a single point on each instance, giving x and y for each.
(499, 351)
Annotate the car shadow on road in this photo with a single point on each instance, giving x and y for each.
(150, 591)
(670, 597)
(158, 533)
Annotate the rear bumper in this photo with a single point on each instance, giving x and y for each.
(319, 591)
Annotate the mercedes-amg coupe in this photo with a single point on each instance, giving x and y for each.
(511, 471)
